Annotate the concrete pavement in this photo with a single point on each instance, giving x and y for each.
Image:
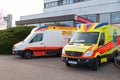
(51, 68)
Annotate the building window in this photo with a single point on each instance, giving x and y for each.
(115, 17)
(46, 5)
(92, 17)
(68, 1)
(81, 0)
(71, 1)
(65, 2)
(52, 4)
(48, 24)
(61, 2)
(84, 16)
(65, 23)
(105, 17)
(56, 3)
(49, 5)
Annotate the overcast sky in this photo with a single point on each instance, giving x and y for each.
(20, 7)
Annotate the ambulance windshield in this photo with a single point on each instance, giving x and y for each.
(85, 37)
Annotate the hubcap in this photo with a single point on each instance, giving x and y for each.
(28, 54)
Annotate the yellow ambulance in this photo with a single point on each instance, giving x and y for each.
(92, 44)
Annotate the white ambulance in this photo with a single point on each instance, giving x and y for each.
(44, 40)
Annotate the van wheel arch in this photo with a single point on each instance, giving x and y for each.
(112, 56)
(115, 54)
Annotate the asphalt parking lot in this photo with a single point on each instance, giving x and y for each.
(51, 68)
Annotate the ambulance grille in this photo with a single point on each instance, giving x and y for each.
(71, 53)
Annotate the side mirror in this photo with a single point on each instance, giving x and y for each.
(101, 42)
(31, 41)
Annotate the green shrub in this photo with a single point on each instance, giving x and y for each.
(11, 36)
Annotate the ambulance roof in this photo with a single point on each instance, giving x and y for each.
(92, 27)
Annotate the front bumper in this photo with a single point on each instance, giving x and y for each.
(19, 52)
(78, 61)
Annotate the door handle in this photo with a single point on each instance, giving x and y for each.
(41, 43)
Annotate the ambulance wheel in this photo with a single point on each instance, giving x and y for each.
(117, 62)
(68, 65)
(96, 64)
(115, 54)
(27, 54)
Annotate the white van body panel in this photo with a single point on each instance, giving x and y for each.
(51, 41)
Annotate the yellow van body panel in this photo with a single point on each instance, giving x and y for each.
(109, 49)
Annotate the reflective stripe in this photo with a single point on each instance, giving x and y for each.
(42, 50)
(104, 48)
(118, 40)
(39, 53)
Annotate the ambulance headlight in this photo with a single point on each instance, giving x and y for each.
(88, 53)
(63, 51)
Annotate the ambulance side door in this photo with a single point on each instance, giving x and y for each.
(37, 44)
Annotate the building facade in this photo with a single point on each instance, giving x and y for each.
(6, 22)
(94, 10)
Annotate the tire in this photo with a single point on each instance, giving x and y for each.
(68, 65)
(27, 54)
(117, 61)
(96, 64)
(115, 54)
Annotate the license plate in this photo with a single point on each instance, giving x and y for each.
(72, 62)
